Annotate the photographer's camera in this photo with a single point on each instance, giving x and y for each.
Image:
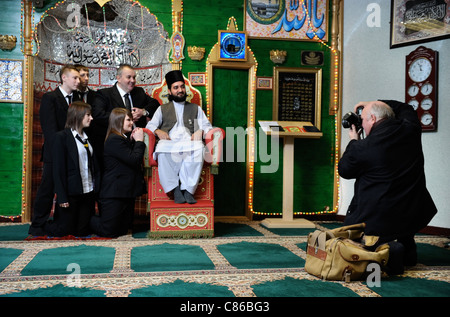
(351, 118)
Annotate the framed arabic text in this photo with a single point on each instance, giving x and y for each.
(419, 21)
(287, 19)
(297, 95)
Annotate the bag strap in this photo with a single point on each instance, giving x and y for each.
(319, 238)
(352, 232)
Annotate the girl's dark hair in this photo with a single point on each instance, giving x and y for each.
(76, 113)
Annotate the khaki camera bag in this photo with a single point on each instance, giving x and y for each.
(338, 255)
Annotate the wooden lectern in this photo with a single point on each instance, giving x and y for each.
(289, 132)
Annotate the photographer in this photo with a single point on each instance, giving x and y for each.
(390, 194)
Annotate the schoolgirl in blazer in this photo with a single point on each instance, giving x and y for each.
(123, 177)
(76, 175)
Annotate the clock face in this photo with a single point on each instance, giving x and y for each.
(233, 45)
(413, 90)
(414, 103)
(420, 69)
(426, 89)
(426, 104)
(426, 119)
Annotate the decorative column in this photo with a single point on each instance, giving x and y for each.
(336, 87)
(27, 110)
(335, 46)
(177, 39)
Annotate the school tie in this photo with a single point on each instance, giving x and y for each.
(89, 156)
(127, 101)
(69, 99)
(83, 95)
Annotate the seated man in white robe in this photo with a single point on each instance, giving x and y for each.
(180, 127)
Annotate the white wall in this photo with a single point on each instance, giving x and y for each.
(374, 71)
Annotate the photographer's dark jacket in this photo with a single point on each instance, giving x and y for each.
(390, 190)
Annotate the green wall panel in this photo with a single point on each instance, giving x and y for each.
(11, 134)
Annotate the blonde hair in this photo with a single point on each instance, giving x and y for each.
(66, 69)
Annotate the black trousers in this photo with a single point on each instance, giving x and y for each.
(116, 217)
(43, 202)
(74, 220)
(402, 252)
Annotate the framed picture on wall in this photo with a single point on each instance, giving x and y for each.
(264, 83)
(197, 79)
(11, 80)
(297, 95)
(419, 21)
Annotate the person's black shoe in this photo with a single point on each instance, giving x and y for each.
(36, 231)
(178, 196)
(396, 257)
(410, 251)
(189, 198)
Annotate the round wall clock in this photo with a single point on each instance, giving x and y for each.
(421, 85)
(233, 45)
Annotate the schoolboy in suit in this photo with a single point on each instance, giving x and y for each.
(53, 115)
(85, 93)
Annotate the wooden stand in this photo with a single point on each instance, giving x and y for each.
(289, 135)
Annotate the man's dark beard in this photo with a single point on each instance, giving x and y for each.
(177, 99)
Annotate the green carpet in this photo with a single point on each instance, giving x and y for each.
(290, 287)
(59, 291)
(251, 255)
(412, 287)
(7, 256)
(56, 261)
(243, 260)
(166, 257)
(182, 289)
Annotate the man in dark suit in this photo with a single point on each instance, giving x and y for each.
(390, 195)
(53, 115)
(125, 94)
(85, 93)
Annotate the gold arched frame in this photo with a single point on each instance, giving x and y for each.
(250, 64)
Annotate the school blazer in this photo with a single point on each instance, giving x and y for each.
(52, 115)
(123, 175)
(109, 98)
(66, 167)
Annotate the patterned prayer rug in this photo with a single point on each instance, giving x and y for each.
(244, 259)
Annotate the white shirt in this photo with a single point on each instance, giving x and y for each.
(180, 138)
(122, 94)
(85, 172)
(65, 94)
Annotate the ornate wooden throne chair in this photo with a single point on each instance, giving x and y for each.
(168, 219)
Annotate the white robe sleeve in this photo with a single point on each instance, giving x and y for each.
(156, 120)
